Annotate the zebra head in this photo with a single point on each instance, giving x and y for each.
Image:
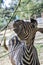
(25, 30)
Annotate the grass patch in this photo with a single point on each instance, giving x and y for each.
(38, 47)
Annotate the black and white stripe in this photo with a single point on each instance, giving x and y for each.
(23, 54)
(27, 58)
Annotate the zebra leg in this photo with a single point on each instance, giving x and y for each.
(36, 56)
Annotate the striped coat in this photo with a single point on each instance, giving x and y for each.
(21, 54)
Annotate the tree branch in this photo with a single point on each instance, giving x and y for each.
(11, 16)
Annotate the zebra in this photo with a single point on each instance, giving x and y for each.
(26, 31)
(20, 54)
(25, 52)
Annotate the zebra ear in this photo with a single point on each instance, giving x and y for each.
(34, 23)
(33, 20)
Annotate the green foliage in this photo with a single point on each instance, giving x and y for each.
(36, 9)
(0, 1)
(26, 9)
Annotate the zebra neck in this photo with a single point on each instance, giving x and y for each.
(29, 46)
(30, 42)
(28, 55)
